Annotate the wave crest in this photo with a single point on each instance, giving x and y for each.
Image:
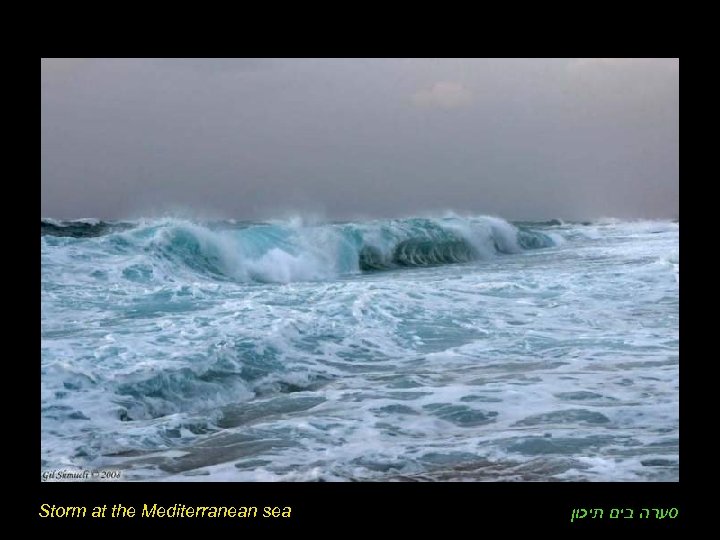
(286, 252)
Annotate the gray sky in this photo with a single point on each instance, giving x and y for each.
(348, 138)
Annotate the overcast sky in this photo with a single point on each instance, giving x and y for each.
(348, 138)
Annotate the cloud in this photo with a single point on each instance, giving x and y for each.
(521, 138)
(60, 63)
(443, 94)
(218, 65)
(582, 63)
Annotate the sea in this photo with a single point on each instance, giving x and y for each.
(449, 348)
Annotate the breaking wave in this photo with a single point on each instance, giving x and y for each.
(285, 252)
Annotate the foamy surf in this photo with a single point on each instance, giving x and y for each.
(456, 348)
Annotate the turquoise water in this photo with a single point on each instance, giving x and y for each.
(458, 348)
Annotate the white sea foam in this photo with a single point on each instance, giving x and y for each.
(183, 352)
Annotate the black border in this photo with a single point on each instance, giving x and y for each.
(377, 507)
(478, 508)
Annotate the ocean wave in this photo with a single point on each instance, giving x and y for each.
(170, 351)
(292, 251)
(80, 228)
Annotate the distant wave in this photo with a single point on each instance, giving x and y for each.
(80, 228)
(284, 252)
